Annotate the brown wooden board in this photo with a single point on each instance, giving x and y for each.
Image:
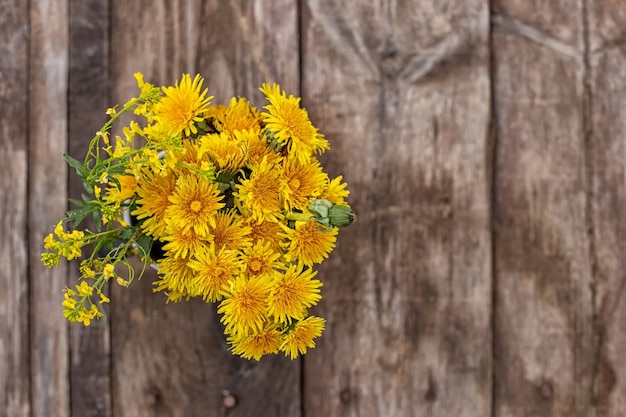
(88, 98)
(606, 149)
(47, 201)
(544, 331)
(14, 303)
(401, 90)
(171, 360)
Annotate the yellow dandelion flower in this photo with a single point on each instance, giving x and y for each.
(257, 148)
(122, 189)
(254, 346)
(194, 203)
(175, 276)
(191, 159)
(213, 271)
(260, 195)
(304, 183)
(181, 243)
(215, 116)
(154, 191)
(302, 336)
(227, 153)
(241, 115)
(229, 231)
(308, 242)
(290, 124)
(244, 306)
(335, 191)
(260, 259)
(293, 292)
(265, 231)
(183, 105)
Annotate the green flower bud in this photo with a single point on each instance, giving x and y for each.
(341, 215)
(320, 208)
(330, 214)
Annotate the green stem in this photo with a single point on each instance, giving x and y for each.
(300, 217)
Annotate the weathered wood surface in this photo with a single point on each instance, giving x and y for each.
(606, 137)
(402, 91)
(173, 360)
(544, 311)
(88, 97)
(483, 143)
(47, 201)
(14, 255)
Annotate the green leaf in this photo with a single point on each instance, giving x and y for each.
(76, 164)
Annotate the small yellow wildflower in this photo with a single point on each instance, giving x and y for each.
(308, 242)
(293, 292)
(254, 346)
(244, 305)
(194, 203)
(183, 105)
(302, 336)
(290, 124)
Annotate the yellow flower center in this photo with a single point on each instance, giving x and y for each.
(195, 206)
(294, 184)
(255, 266)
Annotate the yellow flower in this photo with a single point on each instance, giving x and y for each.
(229, 231)
(104, 299)
(257, 148)
(335, 191)
(122, 189)
(290, 124)
(183, 105)
(302, 336)
(293, 292)
(304, 183)
(213, 271)
(194, 203)
(241, 115)
(154, 191)
(182, 243)
(84, 289)
(175, 276)
(244, 305)
(267, 231)
(260, 259)
(254, 346)
(260, 196)
(227, 153)
(108, 271)
(308, 242)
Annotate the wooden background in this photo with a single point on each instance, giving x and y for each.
(484, 143)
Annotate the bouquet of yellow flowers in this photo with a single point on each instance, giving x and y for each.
(228, 203)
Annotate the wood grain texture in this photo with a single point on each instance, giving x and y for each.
(88, 97)
(401, 89)
(607, 156)
(47, 201)
(14, 337)
(544, 330)
(171, 360)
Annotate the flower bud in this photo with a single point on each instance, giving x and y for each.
(331, 214)
(341, 215)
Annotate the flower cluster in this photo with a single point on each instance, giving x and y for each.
(228, 201)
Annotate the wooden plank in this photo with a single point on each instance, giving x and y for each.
(544, 331)
(14, 337)
(401, 89)
(47, 201)
(607, 150)
(88, 98)
(172, 359)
